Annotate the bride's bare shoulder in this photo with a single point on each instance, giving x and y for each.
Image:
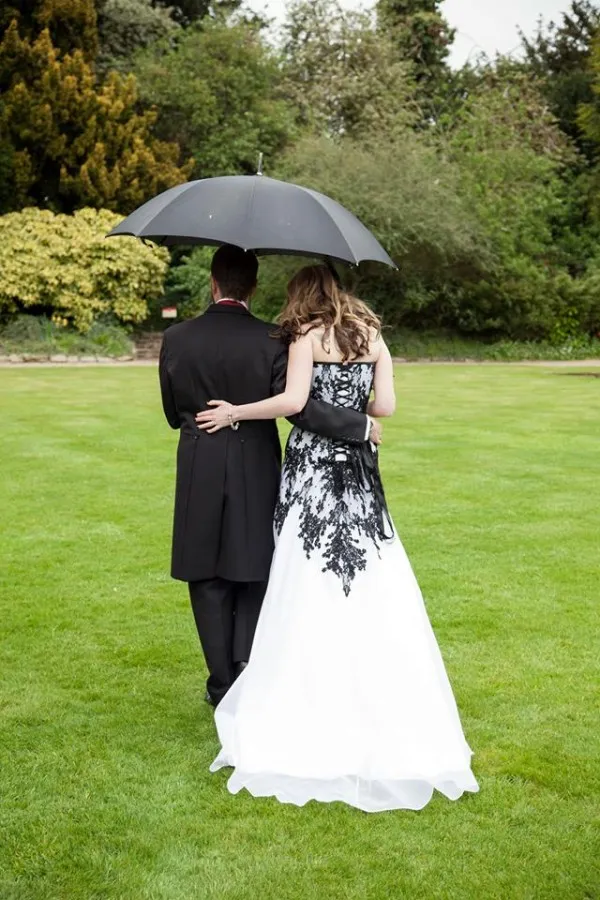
(374, 338)
(317, 333)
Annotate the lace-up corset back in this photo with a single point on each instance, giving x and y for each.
(342, 384)
(347, 385)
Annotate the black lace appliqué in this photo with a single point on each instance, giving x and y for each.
(335, 487)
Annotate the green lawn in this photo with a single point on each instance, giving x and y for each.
(493, 480)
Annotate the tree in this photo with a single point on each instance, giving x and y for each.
(588, 120)
(558, 55)
(218, 95)
(126, 26)
(70, 23)
(588, 113)
(475, 214)
(513, 160)
(188, 11)
(410, 197)
(422, 37)
(68, 142)
(341, 75)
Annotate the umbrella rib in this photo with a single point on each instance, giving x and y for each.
(185, 187)
(316, 197)
(249, 206)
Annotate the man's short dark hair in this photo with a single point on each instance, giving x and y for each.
(235, 271)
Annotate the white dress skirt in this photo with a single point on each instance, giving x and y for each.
(345, 696)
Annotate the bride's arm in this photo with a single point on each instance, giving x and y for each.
(340, 423)
(288, 403)
(384, 403)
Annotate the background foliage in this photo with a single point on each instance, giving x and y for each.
(482, 182)
(63, 266)
(68, 139)
(342, 77)
(217, 88)
(127, 26)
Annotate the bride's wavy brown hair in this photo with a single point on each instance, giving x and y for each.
(314, 300)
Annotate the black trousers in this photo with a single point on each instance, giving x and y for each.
(226, 613)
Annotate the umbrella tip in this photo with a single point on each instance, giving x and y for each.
(259, 170)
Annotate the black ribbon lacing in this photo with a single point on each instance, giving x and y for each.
(362, 459)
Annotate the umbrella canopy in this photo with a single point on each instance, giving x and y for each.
(256, 213)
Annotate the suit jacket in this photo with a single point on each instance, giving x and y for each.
(227, 483)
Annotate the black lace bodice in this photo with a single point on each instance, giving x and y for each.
(334, 488)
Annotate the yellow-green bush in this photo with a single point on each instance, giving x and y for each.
(63, 266)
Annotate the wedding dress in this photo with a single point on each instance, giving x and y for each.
(345, 696)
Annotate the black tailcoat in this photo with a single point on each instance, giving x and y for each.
(227, 482)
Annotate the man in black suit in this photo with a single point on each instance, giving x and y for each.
(227, 483)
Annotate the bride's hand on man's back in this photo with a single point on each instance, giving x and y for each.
(219, 416)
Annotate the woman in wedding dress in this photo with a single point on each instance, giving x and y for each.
(345, 696)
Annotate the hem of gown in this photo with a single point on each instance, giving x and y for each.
(368, 795)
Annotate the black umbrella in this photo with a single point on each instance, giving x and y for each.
(256, 213)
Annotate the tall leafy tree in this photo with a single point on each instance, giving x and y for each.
(127, 26)
(423, 37)
(588, 114)
(588, 120)
(341, 75)
(218, 91)
(188, 11)
(559, 55)
(72, 24)
(513, 156)
(65, 141)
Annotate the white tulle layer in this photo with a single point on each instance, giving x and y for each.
(370, 796)
(344, 698)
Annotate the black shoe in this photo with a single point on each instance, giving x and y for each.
(239, 668)
(209, 699)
